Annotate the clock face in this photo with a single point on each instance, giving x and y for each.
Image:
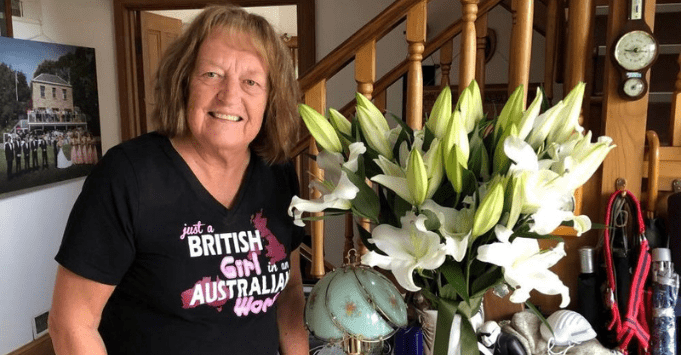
(635, 50)
(633, 87)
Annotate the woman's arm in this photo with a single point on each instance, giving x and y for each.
(294, 338)
(77, 305)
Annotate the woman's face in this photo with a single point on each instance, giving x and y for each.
(228, 91)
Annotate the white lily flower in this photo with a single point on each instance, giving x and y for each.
(543, 124)
(546, 195)
(581, 161)
(408, 248)
(337, 191)
(525, 267)
(454, 225)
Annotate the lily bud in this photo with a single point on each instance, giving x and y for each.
(453, 166)
(470, 105)
(543, 125)
(322, 131)
(434, 167)
(514, 200)
(489, 211)
(374, 126)
(456, 136)
(440, 114)
(511, 111)
(568, 119)
(416, 175)
(341, 123)
(528, 118)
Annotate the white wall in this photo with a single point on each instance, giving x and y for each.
(33, 220)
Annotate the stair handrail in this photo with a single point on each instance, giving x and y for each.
(339, 57)
(345, 52)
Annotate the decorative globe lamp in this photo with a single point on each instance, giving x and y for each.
(356, 306)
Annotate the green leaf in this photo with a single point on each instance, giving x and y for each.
(454, 275)
(531, 235)
(468, 340)
(387, 215)
(469, 309)
(486, 281)
(445, 317)
(448, 292)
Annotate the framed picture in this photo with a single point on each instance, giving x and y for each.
(49, 113)
(6, 18)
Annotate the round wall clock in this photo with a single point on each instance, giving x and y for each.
(634, 52)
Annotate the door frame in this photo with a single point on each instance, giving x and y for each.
(129, 59)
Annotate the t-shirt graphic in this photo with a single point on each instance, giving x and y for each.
(242, 274)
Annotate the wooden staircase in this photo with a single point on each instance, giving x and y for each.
(570, 58)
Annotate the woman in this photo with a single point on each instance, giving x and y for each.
(62, 160)
(180, 241)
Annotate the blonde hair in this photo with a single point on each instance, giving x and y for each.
(280, 127)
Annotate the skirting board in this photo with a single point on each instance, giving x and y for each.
(40, 346)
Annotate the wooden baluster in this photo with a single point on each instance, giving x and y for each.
(365, 69)
(676, 111)
(579, 42)
(365, 64)
(481, 31)
(551, 45)
(521, 46)
(468, 44)
(416, 29)
(315, 97)
(653, 173)
(446, 55)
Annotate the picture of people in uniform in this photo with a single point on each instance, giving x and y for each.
(49, 113)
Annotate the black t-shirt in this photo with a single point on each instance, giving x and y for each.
(192, 276)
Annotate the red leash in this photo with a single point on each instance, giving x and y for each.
(634, 324)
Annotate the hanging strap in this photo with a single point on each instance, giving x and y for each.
(634, 323)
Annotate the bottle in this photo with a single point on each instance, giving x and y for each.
(588, 289)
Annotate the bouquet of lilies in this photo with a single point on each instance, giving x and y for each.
(458, 206)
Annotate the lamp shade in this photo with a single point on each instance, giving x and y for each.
(354, 302)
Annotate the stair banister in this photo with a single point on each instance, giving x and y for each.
(345, 52)
(481, 28)
(554, 11)
(676, 110)
(467, 63)
(521, 46)
(445, 59)
(315, 97)
(431, 47)
(416, 34)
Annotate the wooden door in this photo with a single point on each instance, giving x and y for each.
(157, 32)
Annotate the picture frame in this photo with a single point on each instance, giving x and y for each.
(49, 113)
(6, 18)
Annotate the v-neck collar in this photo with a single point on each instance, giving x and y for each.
(203, 194)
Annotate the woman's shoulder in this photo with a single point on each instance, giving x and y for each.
(142, 151)
(142, 147)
